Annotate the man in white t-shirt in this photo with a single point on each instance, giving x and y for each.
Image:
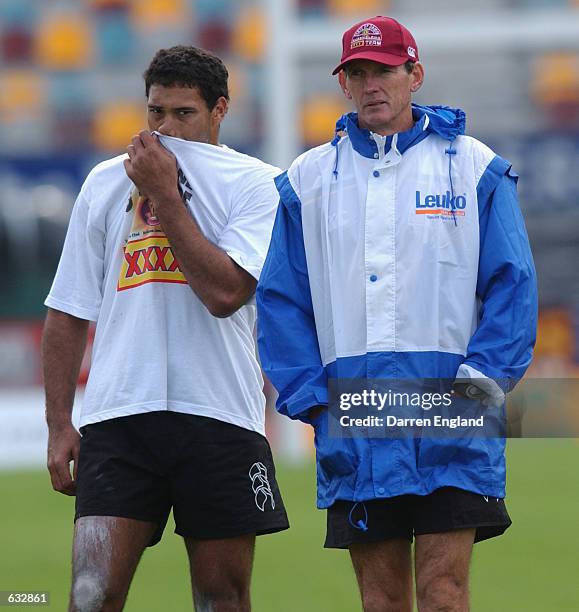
(163, 251)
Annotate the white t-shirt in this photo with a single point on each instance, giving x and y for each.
(157, 347)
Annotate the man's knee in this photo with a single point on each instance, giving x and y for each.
(221, 573)
(384, 574)
(90, 594)
(442, 593)
(228, 597)
(386, 600)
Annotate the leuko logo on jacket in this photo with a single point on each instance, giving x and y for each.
(260, 486)
(440, 204)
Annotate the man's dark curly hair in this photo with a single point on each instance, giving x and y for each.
(184, 66)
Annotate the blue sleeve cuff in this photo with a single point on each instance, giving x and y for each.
(298, 406)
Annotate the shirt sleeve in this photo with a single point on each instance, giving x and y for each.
(502, 346)
(287, 338)
(246, 236)
(77, 286)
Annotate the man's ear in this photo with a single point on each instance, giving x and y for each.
(342, 81)
(220, 109)
(417, 77)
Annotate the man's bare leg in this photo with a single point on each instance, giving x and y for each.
(221, 573)
(442, 562)
(384, 573)
(106, 552)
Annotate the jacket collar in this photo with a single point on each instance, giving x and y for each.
(445, 121)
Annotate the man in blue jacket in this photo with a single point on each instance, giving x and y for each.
(399, 252)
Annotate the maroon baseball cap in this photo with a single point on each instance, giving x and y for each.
(380, 39)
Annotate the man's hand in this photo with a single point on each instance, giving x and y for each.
(63, 344)
(485, 391)
(152, 168)
(63, 447)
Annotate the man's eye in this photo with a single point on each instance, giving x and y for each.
(155, 111)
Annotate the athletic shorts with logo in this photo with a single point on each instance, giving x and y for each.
(218, 478)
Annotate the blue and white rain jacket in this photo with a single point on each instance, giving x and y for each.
(403, 256)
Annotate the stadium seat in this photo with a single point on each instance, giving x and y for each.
(249, 35)
(116, 39)
(206, 10)
(109, 5)
(71, 130)
(16, 44)
(319, 115)
(22, 94)
(363, 8)
(556, 78)
(312, 8)
(556, 334)
(115, 123)
(214, 35)
(67, 91)
(159, 13)
(555, 88)
(238, 81)
(64, 42)
(17, 12)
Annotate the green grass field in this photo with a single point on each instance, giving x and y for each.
(534, 567)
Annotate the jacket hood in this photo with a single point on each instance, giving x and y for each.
(445, 121)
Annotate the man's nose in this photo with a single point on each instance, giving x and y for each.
(167, 126)
(370, 83)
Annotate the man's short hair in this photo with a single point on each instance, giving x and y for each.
(185, 66)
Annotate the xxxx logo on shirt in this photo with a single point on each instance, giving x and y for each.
(147, 255)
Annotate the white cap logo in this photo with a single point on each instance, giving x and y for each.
(367, 35)
(412, 52)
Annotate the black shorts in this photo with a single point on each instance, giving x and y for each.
(218, 478)
(405, 516)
